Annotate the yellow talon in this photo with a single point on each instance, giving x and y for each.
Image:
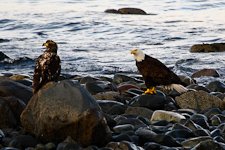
(150, 91)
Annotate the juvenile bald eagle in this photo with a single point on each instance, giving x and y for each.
(156, 73)
(47, 67)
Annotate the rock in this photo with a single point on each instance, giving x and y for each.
(216, 86)
(19, 77)
(206, 72)
(199, 100)
(179, 133)
(50, 146)
(106, 105)
(93, 88)
(124, 145)
(3, 56)
(191, 125)
(87, 79)
(200, 132)
(18, 90)
(208, 144)
(132, 11)
(178, 126)
(117, 109)
(198, 88)
(24, 141)
(222, 104)
(124, 127)
(65, 109)
(111, 95)
(187, 80)
(145, 135)
(126, 87)
(161, 123)
(133, 121)
(215, 47)
(215, 120)
(191, 142)
(7, 118)
(67, 146)
(122, 137)
(212, 112)
(119, 78)
(140, 111)
(153, 102)
(127, 11)
(166, 115)
(152, 146)
(166, 140)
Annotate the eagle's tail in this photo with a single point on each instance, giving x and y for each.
(178, 87)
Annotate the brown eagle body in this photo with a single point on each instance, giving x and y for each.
(47, 67)
(156, 73)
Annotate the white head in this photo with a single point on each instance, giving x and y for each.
(138, 55)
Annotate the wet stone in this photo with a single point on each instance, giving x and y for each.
(93, 88)
(191, 125)
(216, 132)
(124, 127)
(178, 126)
(219, 139)
(206, 72)
(212, 112)
(133, 121)
(215, 120)
(200, 132)
(153, 102)
(106, 105)
(145, 135)
(161, 123)
(117, 109)
(216, 86)
(152, 146)
(65, 145)
(140, 111)
(198, 88)
(208, 144)
(202, 122)
(166, 140)
(191, 142)
(179, 133)
(121, 137)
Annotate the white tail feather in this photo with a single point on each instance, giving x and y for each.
(179, 88)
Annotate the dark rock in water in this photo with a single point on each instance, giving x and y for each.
(216, 86)
(7, 118)
(124, 145)
(206, 72)
(153, 102)
(127, 11)
(198, 88)
(140, 111)
(166, 140)
(3, 56)
(67, 146)
(209, 144)
(11, 88)
(179, 133)
(65, 109)
(199, 100)
(215, 47)
(132, 11)
(187, 80)
(93, 88)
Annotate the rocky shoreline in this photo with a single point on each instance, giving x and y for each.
(110, 113)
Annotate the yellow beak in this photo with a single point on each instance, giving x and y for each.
(45, 44)
(132, 52)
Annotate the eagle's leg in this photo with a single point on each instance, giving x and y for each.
(150, 91)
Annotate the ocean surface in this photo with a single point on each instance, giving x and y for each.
(95, 43)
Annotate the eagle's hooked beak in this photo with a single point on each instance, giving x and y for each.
(133, 51)
(45, 44)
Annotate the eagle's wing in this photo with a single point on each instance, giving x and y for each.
(47, 68)
(158, 72)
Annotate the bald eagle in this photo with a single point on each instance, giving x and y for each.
(156, 73)
(47, 67)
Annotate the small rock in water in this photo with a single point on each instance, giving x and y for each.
(127, 11)
(216, 86)
(206, 72)
(215, 47)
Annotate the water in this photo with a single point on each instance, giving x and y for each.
(92, 42)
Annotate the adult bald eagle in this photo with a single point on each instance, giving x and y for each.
(156, 73)
(47, 67)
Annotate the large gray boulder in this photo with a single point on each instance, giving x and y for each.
(63, 109)
(199, 100)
